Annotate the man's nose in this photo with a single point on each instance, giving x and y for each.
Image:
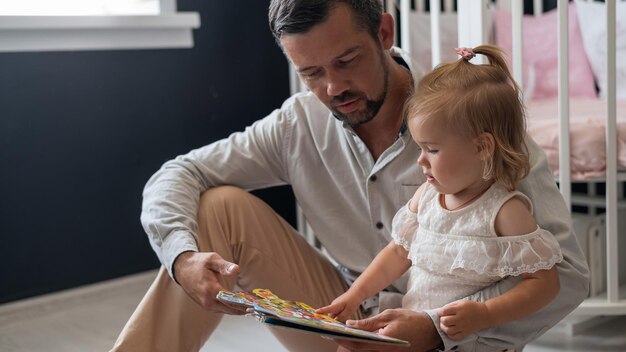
(336, 84)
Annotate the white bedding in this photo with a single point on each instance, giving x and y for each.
(587, 134)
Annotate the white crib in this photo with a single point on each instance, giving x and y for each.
(597, 233)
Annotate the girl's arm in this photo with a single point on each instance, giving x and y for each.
(538, 288)
(388, 266)
(535, 291)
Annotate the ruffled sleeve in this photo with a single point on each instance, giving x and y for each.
(404, 227)
(491, 256)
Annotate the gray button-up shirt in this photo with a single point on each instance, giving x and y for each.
(348, 198)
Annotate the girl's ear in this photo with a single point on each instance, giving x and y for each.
(485, 145)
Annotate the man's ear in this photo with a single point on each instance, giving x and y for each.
(485, 145)
(386, 31)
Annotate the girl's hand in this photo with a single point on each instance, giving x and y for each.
(342, 308)
(462, 318)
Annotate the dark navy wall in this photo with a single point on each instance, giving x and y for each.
(81, 133)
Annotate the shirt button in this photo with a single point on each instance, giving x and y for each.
(373, 178)
(379, 225)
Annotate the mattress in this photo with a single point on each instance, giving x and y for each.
(587, 135)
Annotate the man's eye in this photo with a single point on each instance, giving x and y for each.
(312, 75)
(345, 62)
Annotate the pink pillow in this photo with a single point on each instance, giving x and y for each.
(540, 46)
(592, 17)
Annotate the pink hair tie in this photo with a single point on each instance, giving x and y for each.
(466, 53)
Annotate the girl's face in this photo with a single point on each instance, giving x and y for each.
(450, 162)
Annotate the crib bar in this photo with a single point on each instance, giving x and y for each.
(592, 191)
(435, 32)
(405, 29)
(599, 306)
(612, 272)
(593, 201)
(565, 182)
(517, 13)
(389, 6)
(295, 84)
(537, 7)
(420, 6)
(449, 6)
(472, 28)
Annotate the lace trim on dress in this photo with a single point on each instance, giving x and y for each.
(492, 256)
(404, 227)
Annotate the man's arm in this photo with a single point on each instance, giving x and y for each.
(251, 159)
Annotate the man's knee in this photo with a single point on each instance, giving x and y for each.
(222, 196)
(219, 214)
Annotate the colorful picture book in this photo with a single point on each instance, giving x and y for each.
(270, 309)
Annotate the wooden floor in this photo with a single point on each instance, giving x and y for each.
(90, 318)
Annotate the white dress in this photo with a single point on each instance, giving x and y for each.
(457, 253)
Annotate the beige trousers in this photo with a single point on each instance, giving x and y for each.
(270, 253)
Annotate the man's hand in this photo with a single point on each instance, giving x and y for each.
(199, 275)
(462, 318)
(405, 324)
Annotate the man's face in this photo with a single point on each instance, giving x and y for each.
(342, 65)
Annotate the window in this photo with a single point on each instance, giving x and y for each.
(61, 25)
(78, 7)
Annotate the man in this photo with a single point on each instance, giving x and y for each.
(344, 149)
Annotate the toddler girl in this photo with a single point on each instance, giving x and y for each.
(466, 227)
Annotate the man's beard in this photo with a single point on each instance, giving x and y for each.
(372, 107)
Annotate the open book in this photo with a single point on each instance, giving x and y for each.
(270, 309)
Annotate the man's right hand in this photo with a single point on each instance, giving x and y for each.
(199, 275)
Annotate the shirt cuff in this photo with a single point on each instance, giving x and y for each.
(448, 345)
(174, 245)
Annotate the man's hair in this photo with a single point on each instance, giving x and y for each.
(472, 99)
(298, 16)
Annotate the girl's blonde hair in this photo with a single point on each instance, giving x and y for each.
(473, 99)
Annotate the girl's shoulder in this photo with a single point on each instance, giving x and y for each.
(514, 216)
(417, 199)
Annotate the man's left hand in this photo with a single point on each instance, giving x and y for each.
(405, 324)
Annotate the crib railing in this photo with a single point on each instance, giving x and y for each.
(613, 297)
